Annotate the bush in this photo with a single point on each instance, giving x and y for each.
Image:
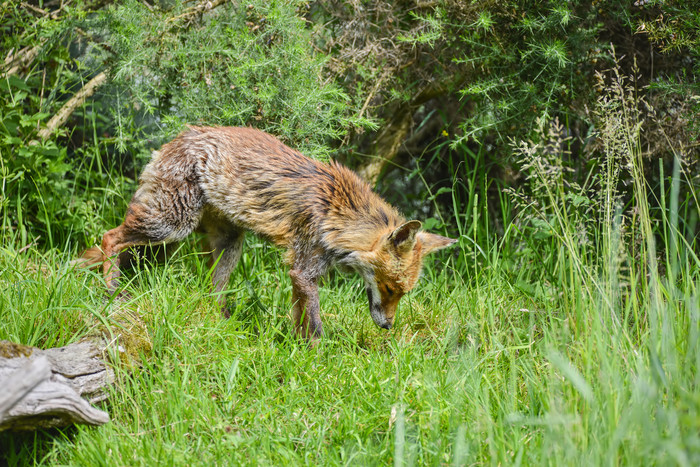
(240, 64)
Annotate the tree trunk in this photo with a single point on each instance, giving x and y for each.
(394, 134)
(387, 144)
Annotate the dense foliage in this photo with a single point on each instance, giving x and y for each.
(387, 84)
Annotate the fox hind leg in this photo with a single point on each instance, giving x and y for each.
(156, 216)
(226, 243)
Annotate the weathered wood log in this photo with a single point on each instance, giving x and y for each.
(54, 387)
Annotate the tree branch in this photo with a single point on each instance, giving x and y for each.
(73, 103)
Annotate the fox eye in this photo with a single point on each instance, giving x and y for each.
(389, 291)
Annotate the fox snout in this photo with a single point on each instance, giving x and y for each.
(382, 314)
(380, 317)
(387, 325)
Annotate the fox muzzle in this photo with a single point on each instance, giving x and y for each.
(377, 311)
(386, 325)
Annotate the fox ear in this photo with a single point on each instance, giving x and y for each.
(404, 237)
(432, 242)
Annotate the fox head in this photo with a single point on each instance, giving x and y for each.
(393, 266)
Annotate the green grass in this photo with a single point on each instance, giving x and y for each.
(474, 372)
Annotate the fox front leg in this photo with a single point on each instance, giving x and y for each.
(307, 308)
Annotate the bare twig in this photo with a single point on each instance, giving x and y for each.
(17, 61)
(199, 8)
(372, 93)
(35, 9)
(20, 59)
(28, 246)
(44, 13)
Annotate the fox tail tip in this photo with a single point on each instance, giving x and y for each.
(90, 259)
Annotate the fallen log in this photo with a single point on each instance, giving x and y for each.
(54, 387)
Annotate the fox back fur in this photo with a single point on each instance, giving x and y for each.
(225, 181)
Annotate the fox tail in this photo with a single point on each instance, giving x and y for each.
(90, 259)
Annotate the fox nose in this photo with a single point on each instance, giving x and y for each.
(386, 325)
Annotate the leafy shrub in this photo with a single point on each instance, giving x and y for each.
(241, 64)
(38, 175)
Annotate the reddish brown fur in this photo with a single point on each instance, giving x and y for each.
(224, 181)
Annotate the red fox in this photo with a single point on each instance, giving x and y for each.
(224, 181)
